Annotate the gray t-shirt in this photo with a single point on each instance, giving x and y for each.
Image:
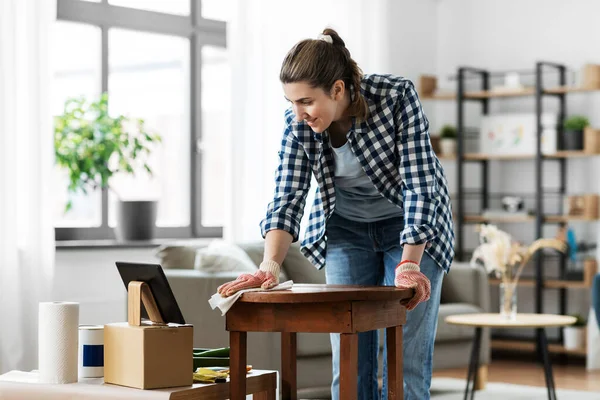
(356, 197)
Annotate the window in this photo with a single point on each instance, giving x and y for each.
(161, 62)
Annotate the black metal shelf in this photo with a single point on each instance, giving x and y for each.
(539, 217)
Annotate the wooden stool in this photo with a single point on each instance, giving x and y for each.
(342, 309)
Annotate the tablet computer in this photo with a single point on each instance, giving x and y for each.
(154, 276)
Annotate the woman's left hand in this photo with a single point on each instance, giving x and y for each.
(409, 276)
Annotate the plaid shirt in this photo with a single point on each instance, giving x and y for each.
(394, 149)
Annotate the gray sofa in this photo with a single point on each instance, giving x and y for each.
(465, 290)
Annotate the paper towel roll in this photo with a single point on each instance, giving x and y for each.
(58, 332)
(91, 351)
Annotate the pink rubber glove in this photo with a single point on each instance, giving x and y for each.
(266, 277)
(409, 276)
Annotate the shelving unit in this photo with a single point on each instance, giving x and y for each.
(538, 282)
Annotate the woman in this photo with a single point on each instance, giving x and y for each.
(381, 215)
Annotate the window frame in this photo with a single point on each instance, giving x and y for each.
(201, 32)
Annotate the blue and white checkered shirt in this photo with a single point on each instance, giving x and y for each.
(393, 147)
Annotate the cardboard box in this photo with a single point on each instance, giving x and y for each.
(591, 140)
(427, 85)
(148, 356)
(591, 76)
(586, 206)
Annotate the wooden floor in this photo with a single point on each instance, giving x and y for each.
(531, 374)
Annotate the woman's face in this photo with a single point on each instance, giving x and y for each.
(315, 106)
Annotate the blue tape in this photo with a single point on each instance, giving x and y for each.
(93, 355)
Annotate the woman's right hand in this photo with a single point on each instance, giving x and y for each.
(266, 277)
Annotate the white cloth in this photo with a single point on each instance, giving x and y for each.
(225, 303)
(26, 166)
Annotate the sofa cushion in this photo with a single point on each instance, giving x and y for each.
(221, 256)
(179, 254)
(447, 332)
(299, 269)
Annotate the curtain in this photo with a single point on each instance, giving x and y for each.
(26, 164)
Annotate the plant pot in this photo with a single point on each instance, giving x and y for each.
(448, 147)
(136, 220)
(574, 337)
(572, 140)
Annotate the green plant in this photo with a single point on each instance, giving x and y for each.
(93, 145)
(576, 123)
(448, 132)
(580, 320)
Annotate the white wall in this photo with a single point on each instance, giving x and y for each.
(513, 35)
(90, 277)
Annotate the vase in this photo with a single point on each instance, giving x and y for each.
(508, 301)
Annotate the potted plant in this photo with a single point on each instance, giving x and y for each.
(573, 132)
(574, 335)
(93, 146)
(448, 140)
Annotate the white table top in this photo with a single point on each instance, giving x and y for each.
(495, 320)
(19, 385)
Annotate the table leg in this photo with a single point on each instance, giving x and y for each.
(547, 365)
(473, 364)
(237, 374)
(288, 366)
(394, 363)
(266, 395)
(349, 366)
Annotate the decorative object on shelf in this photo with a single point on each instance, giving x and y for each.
(512, 83)
(574, 335)
(573, 132)
(590, 269)
(584, 206)
(513, 204)
(591, 140)
(428, 89)
(506, 258)
(93, 146)
(590, 76)
(448, 140)
(516, 134)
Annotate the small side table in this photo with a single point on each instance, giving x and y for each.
(538, 321)
(344, 309)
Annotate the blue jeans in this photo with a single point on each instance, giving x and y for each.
(360, 253)
(596, 297)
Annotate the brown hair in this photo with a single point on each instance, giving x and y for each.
(320, 64)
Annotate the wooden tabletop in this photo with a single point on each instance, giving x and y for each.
(19, 385)
(522, 320)
(316, 293)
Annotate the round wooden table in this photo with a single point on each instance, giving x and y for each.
(344, 309)
(537, 321)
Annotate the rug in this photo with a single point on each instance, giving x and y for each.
(454, 389)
